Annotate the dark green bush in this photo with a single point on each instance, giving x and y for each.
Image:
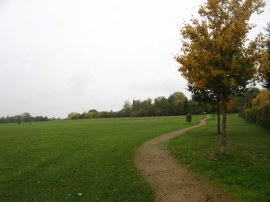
(259, 115)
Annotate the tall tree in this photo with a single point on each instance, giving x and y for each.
(216, 55)
(176, 101)
(26, 117)
(162, 106)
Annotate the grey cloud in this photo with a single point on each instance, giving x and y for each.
(62, 56)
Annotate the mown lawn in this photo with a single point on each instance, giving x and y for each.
(82, 160)
(244, 172)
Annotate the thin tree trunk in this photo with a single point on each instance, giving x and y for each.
(218, 118)
(223, 148)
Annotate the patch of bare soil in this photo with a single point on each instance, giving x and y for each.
(170, 180)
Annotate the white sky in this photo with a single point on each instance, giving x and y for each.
(59, 56)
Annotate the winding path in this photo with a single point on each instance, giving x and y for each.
(171, 181)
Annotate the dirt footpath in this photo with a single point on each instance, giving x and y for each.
(169, 179)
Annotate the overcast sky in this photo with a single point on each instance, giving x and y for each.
(59, 56)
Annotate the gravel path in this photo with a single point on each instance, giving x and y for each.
(169, 179)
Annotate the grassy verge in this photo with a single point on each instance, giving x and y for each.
(83, 160)
(244, 172)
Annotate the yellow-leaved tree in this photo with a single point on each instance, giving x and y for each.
(216, 58)
(263, 98)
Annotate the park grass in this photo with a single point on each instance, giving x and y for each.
(80, 160)
(244, 172)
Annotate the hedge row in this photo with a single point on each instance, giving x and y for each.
(259, 115)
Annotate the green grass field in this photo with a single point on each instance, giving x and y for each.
(83, 160)
(244, 172)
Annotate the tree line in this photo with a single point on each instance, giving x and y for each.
(24, 117)
(174, 105)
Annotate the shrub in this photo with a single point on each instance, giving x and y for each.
(259, 115)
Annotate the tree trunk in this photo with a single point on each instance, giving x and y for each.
(223, 149)
(218, 118)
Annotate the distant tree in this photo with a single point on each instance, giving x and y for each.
(162, 106)
(105, 114)
(127, 109)
(90, 115)
(82, 116)
(142, 108)
(176, 101)
(137, 108)
(185, 106)
(74, 115)
(148, 108)
(217, 56)
(40, 118)
(245, 100)
(196, 107)
(93, 110)
(26, 117)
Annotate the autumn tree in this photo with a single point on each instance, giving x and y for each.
(216, 56)
(263, 98)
